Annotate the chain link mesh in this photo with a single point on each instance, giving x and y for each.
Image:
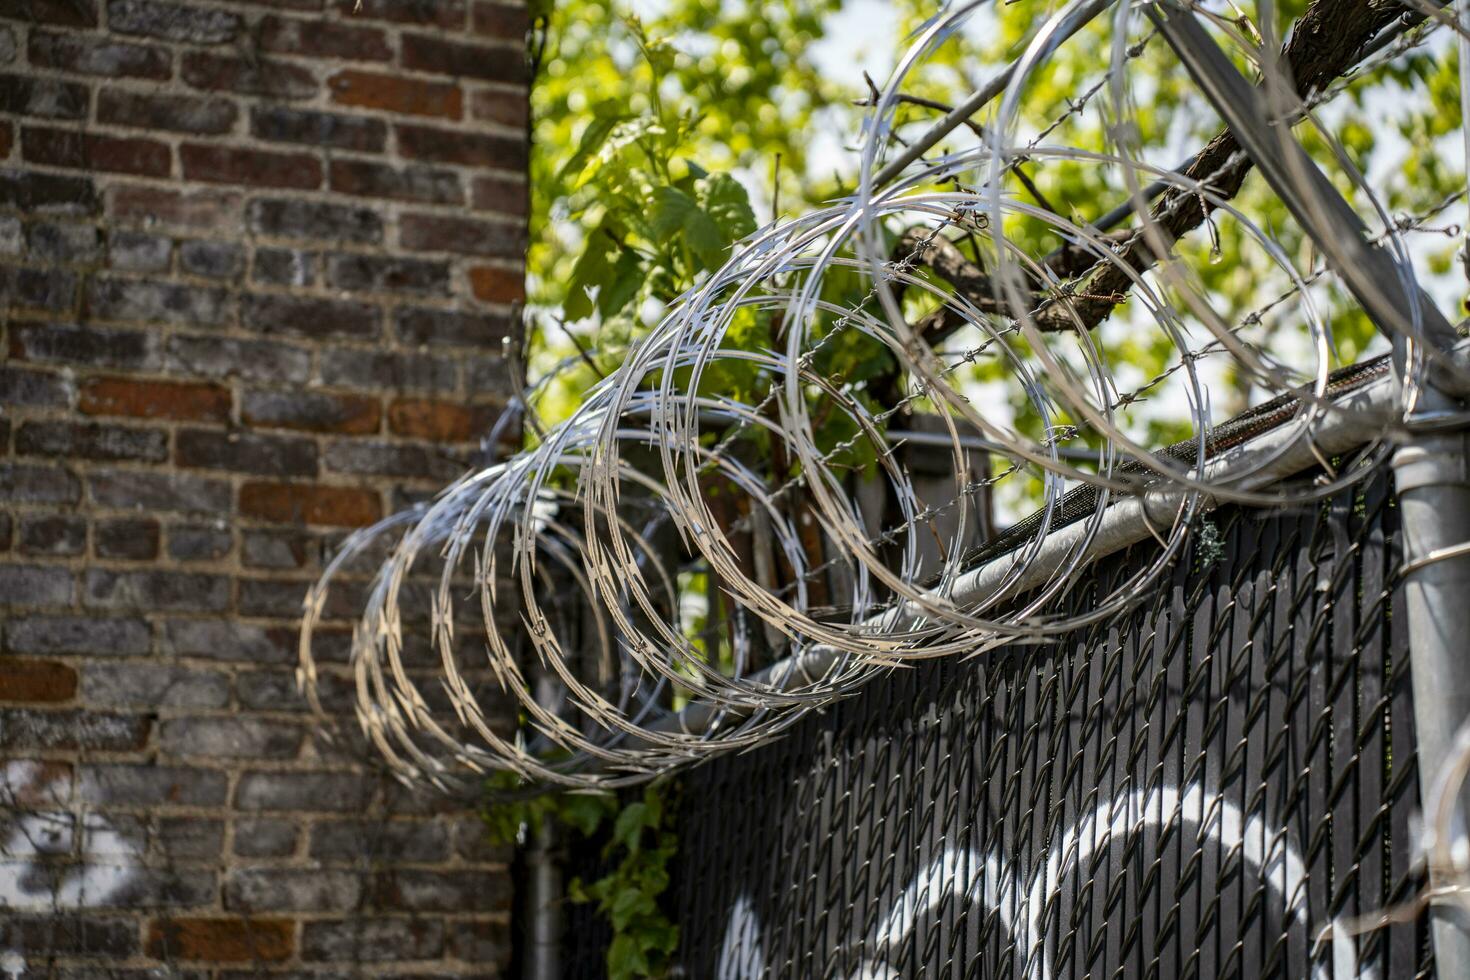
(1202, 786)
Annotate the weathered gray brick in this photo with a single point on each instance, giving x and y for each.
(92, 440)
(391, 459)
(52, 290)
(480, 941)
(156, 591)
(442, 891)
(24, 728)
(322, 792)
(291, 890)
(216, 639)
(66, 243)
(199, 542)
(212, 260)
(31, 483)
(271, 598)
(284, 267)
(230, 357)
(398, 370)
(110, 836)
(86, 635)
(287, 218)
(161, 888)
(372, 940)
(245, 452)
(52, 535)
(238, 737)
(310, 316)
(149, 685)
(388, 274)
(190, 838)
(134, 539)
(128, 350)
(265, 837)
(68, 933)
(159, 301)
(138, 251)
(12, 236)
(421, 841)
(36, 585)
(34, 389)
(269, 690)
(278, 549)
(452, 327)
(153, 491)
(172, 21)
(149, 785)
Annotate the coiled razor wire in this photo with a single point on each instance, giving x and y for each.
(557, 577)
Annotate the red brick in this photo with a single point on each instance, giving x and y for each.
(442, 233)
(393, 93)
(495, 285)
(89, 151)
(262, 168)
(155, 399)
(135, 204)
(312, 39)
(438, 421)
(249, 76)
(37, 681)
(497, 106)
(235, 940)
(489, 63)
(443, 13)
(507, 21)
(501, 194)
(469, 149)
(292, 503)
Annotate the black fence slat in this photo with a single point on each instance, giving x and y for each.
(1193, 787)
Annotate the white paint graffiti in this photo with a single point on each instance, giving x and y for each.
(995, 884)
(106, 860)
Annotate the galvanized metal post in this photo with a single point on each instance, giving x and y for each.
(543, 882)
(1432, 477)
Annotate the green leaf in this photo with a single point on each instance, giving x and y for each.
(623, 282)
(585, 811)
(726, 202)
(626, 959)
(671, 209)
(605, 119)
(593, 271)
(628, 830)
(577, 892)
(627, 905)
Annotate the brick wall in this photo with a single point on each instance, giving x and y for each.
(257, 261)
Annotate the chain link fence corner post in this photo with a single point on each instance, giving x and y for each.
(1432, 477)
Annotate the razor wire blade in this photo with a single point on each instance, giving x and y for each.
(556, 579)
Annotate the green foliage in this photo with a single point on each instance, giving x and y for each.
(641, 841)
(640, 126)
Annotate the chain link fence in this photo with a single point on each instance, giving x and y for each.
(1215, 783)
